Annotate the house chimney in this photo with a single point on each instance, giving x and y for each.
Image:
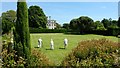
(49, 17)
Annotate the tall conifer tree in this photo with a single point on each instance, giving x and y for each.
(21, 33)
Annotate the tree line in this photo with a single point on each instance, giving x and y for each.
(85, 23)
(38, 19)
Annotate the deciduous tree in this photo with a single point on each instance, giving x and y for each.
(37, 18)
(66, 26)
(8, 19)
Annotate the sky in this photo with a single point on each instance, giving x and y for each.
(61, 0)
(64, 12)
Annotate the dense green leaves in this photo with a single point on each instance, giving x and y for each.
(9, 15)
(37, 18)
(106, 23)
(6, 26)
(21, 32)
(8, 19)
(66, 26)
(86, 23)
(119, 22)
(37, 30)
(58, 26)
(98, 26)
(81, 24)
(74, 24)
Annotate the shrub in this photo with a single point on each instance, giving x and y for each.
(70, 31)
(38, 59)
(8, 59)
(12, 60)
(93, 53)
(113, 31)
(99, 32)
(37, 30)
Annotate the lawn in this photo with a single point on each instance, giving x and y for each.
(58, 54)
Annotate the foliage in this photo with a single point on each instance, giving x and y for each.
(9, 57)
(6, 26)
(98, 26)
(21, 31)
(106, 23)
(114, 23)
(37, 18)
(66, 26)
(98, 32)
(81, 24)
(0, 25)
(114, 31)
(58, 26)
(93, 53)
(111, 31)
(9, 15)
(8, 19)
(37, 30)
(74, 24)
(86, 23)
(119, 21)
(38, 59)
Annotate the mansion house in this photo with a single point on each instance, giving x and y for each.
(51, 24)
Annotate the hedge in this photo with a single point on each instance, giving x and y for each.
(99, 32)
(108, 32)
(113, 31)
(37, 30)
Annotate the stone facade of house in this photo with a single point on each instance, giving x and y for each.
(51, 24)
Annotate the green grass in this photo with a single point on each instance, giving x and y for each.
(57, 55)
